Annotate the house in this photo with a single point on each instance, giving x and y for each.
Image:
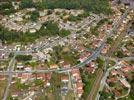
(2, 78)
(54, 66)
(111, 80)
(77, 81)
(64, 79)
(81, 49)
(40, 76)
(82, 58)
(126, 68)
(79, 85)
(48, 83)
(20, 66)
(66, 65)
(45, 77)
(79, 89)
(125, 83)
(116, 92)
(90, 69)
(80, 92)
(75, 72)
(114, 72)
(32, 30)
(25, 76)
(15, 94)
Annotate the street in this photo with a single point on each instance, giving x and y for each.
(10, 69)
(100, 75)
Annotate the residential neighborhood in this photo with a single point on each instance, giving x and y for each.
(67, 50)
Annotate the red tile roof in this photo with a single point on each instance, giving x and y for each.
(79, 85)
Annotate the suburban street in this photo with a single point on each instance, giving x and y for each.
(93, 56)
(10, 69)
(66, 50)
(99, 76)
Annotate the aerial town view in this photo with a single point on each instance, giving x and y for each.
(66, 49)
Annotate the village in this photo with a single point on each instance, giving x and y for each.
(65, 66)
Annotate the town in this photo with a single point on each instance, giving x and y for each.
(52, 52)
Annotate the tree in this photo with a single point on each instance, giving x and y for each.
(6, 8)
(119, 54)
(26, 4)
(23, 57)
(97, 6)
(132, 91)
(11, 55)
(34, 15)
(64, 32)
(38, 82)
(100, 62)
(50, 28)
(109, 40)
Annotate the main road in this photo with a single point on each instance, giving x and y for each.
(89, 59)
(116, 25)
(10, 69)
(114, 47)
(94, 55)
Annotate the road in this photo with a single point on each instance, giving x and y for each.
(29, 96)
(110, 52)
(56, 42)
(94, 55)
(116, 25)
(10, 69)
(10, 72)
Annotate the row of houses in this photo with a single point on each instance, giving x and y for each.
(77, 82)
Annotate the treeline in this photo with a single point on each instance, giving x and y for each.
(23, 57)
(96, 6)
(6, 8)
(49, 28)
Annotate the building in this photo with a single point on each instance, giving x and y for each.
(54, 66)
(125, 83)
(64, 79)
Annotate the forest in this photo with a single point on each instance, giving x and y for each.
(96, 6)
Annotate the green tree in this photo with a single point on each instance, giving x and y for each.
(27, 4)
(100, 62)
(64, 32)
(34, 15)
(23, 57)
(109, 40)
